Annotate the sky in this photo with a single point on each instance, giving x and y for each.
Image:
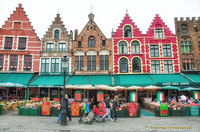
(108, 13)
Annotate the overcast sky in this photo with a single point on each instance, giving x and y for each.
(108, 13)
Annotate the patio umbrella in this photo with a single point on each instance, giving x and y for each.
(152, 87)
(189, 89)
(134, 88)
(120, 87)
(170, 88)
(105, 87)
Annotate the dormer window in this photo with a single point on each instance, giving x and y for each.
(159, 33)
(91, 41)
(127, 31)
(184, 29)
(56, 34)
(103, 43)
(79, 44)
(17, 25)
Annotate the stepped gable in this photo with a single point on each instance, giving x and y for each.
(57, 23)
(127, 21)
(19, 15)
(158, 22)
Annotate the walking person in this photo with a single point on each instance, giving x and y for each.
(114, 107)
(67, 109)
(108, 108)
(86, 110)
(96, 113)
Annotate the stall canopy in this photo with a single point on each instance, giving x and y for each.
(170, 79)
(170, 88)
(48, 81)
(15, 79)
(101, 80)
(195, 78)
(133, 80)
(79, 80)
(190, 89)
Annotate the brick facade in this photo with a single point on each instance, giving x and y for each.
(100, 45)
(19, 44)
(188, 35)
(55, 47)
(142, 54)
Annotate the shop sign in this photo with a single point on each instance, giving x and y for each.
(132, 109)
(74, 108)
(194, 110)
(163, 109)
(46, 108)
(174, 84)
(196, 95)
(14, 52)
(160, 96)
(77, 96)
(46, 86)
(100, 97)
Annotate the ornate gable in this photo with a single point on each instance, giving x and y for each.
(127, 21)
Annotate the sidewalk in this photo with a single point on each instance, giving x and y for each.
(15, 123)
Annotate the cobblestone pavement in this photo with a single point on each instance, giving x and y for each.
(15, 123)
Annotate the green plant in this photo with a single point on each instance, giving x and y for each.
(187, 107)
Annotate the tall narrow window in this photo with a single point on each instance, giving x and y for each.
(104, 62)
(136, 65)
(56, 34)
(127, 31)
(1, 62)
(8, 42)
(168, 67)
(154, 50)
(167, 50)
(91, 41)
(159, 33)
(79, 44)
(55, 65)
(45, 65)
(123, 49)
(188, 64)
(155, 66)
(135, 47)
(199, 46)
(27, 62)
(79, 63)
(184, 29)
(123, 64)
(186, 47)
(91, 60)
(22, 43)
(49, 47)
(13, 62)
(62, 47)
(103, 42)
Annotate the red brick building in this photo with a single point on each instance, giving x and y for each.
(153, 52)
(19, 44)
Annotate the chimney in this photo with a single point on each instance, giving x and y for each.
(75, 34)
(71, 34)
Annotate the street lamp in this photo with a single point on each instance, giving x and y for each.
(64, 112)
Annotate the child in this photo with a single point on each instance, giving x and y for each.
(96, 113)
(86, 110)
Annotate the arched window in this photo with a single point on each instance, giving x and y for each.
(127, 31)
(123, 49)
(135, 47)
(123, 65)
(136, 65)
(56, 33)
(91, 41)
(184, 29)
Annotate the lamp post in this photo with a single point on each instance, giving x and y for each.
(64, 112)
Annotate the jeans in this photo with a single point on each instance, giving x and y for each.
(115, 115)
(68, 114)
(107, 114)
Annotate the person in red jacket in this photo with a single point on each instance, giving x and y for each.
(96, 113)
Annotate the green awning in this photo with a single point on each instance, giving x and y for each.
(133, 80)
(195, 78)
(2, 75)
(101, 80)
(79, 80)
(48, 81)
(170, 79)
(16, 80)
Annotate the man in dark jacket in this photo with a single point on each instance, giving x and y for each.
(108, 108)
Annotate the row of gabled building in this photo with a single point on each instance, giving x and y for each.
(90, 52)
